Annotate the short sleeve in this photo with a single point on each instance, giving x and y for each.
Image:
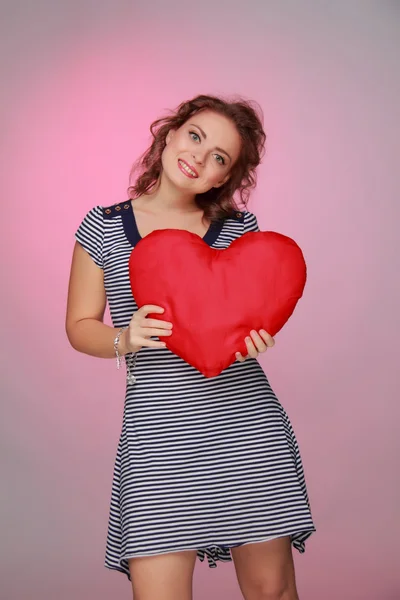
(90, 234)
(250, 222)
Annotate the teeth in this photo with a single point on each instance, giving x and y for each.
(187, 169)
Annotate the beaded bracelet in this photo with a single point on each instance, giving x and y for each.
(130, 359)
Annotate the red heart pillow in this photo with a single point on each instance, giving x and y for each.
(214, 298)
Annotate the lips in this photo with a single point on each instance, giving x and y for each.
(184, 166)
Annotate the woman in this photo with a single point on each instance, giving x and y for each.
(204, 466)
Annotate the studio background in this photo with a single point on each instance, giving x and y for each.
(81, 83)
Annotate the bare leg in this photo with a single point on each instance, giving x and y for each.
(164, 576)
(265, 570)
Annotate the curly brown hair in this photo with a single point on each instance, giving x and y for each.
(217, 203)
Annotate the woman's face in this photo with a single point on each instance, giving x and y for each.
(201, 153)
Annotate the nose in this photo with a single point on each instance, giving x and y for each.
(198, 157)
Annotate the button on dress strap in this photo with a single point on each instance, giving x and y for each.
(116, 209)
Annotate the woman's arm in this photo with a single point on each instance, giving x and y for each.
(85, 309)
(85, 312)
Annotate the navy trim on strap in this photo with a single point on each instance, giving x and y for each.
(125, 210)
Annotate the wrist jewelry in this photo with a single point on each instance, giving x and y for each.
(130, 359)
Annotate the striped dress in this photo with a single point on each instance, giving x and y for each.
(202, 464)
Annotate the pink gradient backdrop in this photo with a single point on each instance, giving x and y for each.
(82, 83)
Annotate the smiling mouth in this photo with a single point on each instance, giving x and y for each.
(187, 170)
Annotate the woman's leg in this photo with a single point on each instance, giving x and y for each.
(265, 570)
(164, 576)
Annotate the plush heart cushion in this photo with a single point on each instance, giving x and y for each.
(214, 298)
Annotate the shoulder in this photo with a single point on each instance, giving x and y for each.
(93, 219)
(107, 212)
(244, 216)
(247, 219)
(237, 216)
(239, 223)
(250, 222)
(115, 210)
(90, 234)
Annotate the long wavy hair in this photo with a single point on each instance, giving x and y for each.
(217, 203)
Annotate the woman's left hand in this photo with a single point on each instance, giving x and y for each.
(256, 343)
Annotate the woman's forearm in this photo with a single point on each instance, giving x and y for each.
(95, 338)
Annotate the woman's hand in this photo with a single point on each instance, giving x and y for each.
(141, 329)
(256, 343)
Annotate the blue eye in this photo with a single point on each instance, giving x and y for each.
(220, 160)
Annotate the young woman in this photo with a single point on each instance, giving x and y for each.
(204, 467)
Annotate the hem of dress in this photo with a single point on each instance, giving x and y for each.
(216, 552)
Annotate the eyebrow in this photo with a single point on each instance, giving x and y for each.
(205, 137)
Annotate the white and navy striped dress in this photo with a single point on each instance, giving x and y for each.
(205, 464)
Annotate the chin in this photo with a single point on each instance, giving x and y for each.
(180, 181)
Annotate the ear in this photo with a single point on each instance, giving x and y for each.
(170, 135)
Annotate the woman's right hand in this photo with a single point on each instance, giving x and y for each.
(141, 329)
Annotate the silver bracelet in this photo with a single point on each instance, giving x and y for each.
(130, 359)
